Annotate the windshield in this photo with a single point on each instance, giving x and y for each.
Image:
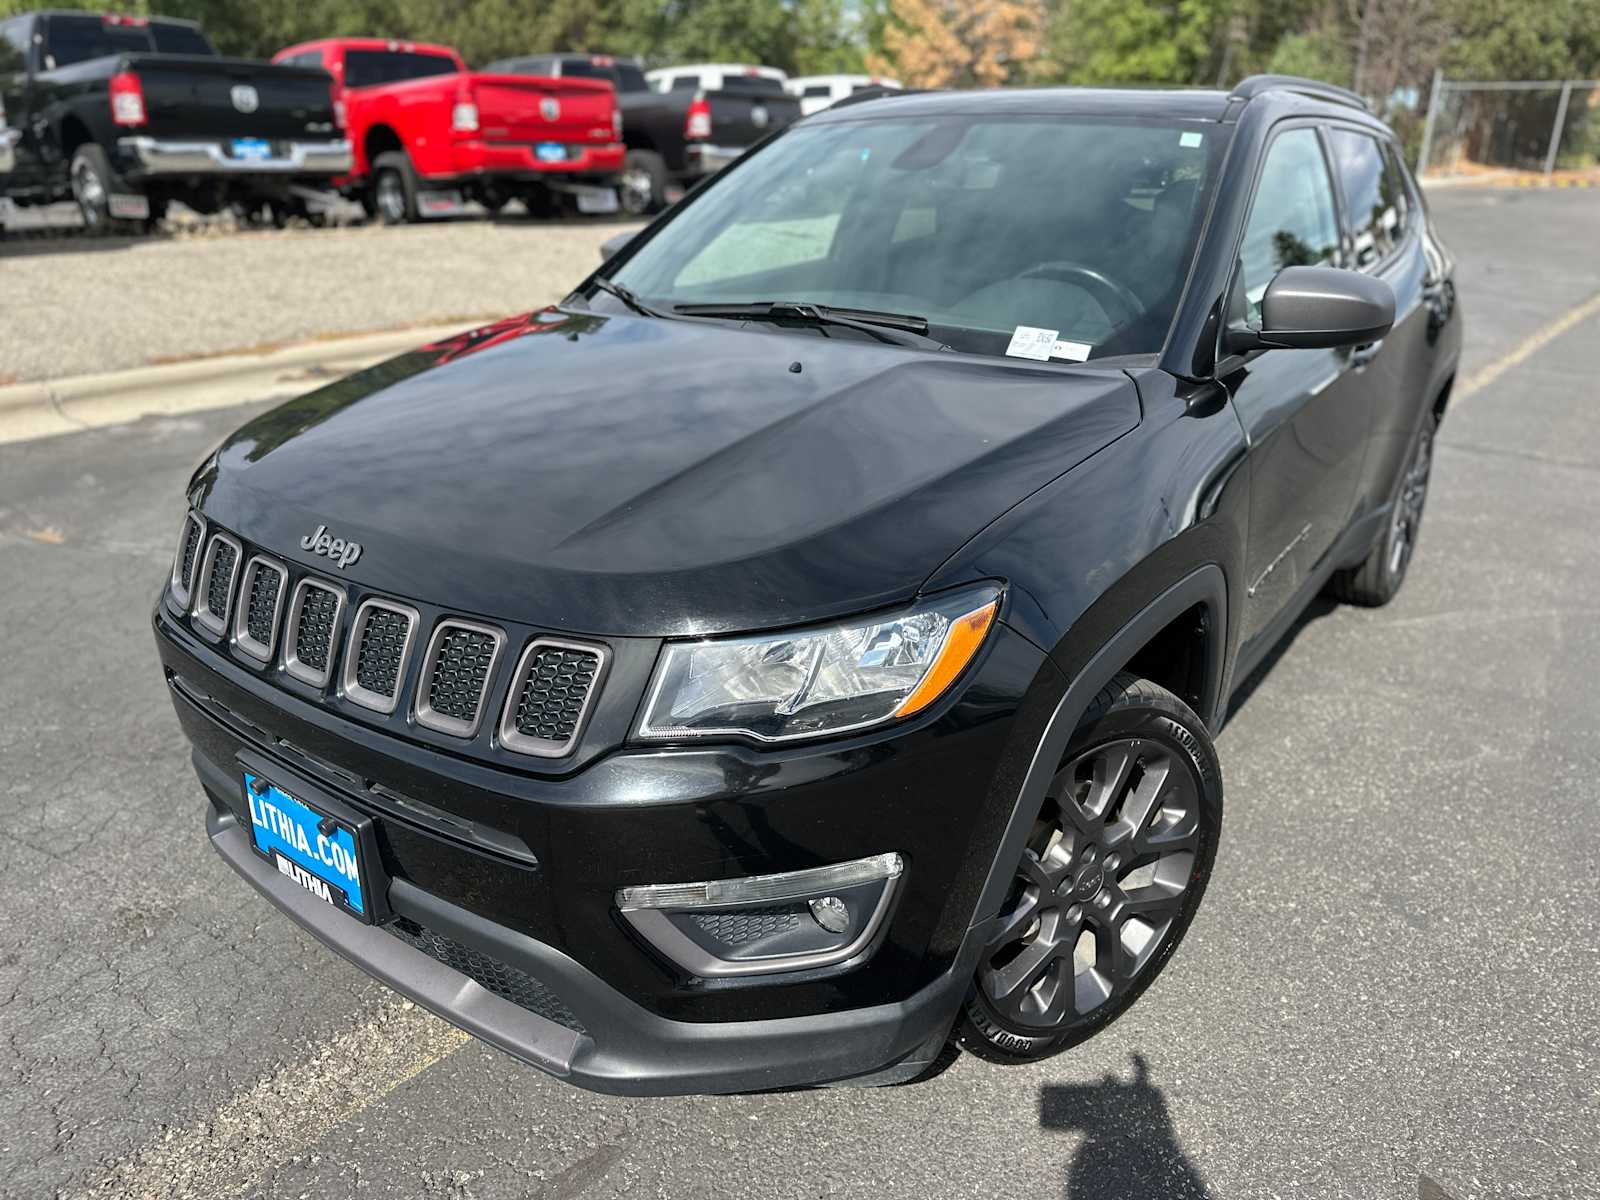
(980, 225)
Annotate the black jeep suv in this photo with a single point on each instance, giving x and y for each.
(801, 649)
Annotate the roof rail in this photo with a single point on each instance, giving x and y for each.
(1254, 85)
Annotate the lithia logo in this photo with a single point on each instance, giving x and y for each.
(336, 550)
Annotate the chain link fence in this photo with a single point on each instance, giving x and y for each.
(1544, 128)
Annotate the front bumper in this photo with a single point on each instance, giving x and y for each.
(148, 156)
(522, 872)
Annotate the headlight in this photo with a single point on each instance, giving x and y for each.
(810, 682)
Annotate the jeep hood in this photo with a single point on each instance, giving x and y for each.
(621, 475)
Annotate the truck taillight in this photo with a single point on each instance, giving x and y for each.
(697, 125)
(464, 116)
(127, 99)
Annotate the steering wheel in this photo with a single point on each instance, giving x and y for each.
(1121, 305)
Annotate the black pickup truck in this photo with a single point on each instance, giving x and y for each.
(124, 114)
(675, 138)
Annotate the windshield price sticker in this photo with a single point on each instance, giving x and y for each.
(1071, 351)
(1029, 342)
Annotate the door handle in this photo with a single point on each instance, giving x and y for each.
(1361, 356)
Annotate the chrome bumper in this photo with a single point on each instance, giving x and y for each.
(156, 157)
(705, 159)
(8, 149)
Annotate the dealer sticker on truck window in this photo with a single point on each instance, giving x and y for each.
(313, 850)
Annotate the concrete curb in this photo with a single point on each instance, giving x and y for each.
(30, 410)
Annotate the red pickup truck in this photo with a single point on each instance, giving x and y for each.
(428, 135)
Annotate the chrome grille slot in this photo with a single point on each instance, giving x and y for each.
(255, 620)
(551, 693)
(379, 648)
(311, 633)
(458, 666)
(187, 558)
(218, 572)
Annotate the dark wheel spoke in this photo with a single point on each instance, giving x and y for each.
(1011, 926)
(1007, 983)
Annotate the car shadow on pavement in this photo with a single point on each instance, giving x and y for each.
(1130, 1149)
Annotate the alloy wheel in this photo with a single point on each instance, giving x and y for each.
(1407, 518)
(636, 188)
(1100, 888)
(391, 198)
(89, 190)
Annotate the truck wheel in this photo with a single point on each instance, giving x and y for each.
(93, 182)
(643, 185)
(1375, 581)
(1110, 878)
(394, 188)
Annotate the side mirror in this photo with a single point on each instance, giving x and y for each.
(610, 247)
(1309, 308)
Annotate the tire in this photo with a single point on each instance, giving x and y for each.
(642, 188)
(1112, 874)
(1375, 581)
(394, 188)
(93, 181)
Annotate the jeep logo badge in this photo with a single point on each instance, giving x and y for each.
(550, 108)
(336, 550)
(245, 98)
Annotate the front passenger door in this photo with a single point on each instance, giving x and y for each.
(1307, 429)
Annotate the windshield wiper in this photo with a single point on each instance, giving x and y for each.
(897, 329)
(627, 297)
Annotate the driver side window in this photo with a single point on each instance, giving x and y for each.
(1292, 222)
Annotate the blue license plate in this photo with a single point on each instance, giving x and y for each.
(252, 148)
(314, 850)
(550, 152)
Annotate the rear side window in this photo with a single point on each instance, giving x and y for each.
(685, 83)
(369, 68)
(630, 79)
(817, 89)
(172, 38)
(1374, 201)
(1292, 222)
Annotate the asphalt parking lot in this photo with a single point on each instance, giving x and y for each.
(1393, 988)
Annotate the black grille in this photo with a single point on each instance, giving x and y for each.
(222, 563)
(262, 608)
(504, 980)
(193, 532)
(554, 693)
(460, 671)
(382, 649)
(313, 632)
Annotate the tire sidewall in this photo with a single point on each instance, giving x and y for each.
(650, 165)
(985, 1032)
(96, 217)
(1393, 578)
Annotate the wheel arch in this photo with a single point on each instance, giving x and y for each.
(380, 139)
(1165, 620)
(74, 132)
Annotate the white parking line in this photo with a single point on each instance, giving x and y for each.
(1484, 376)
(226, 1153)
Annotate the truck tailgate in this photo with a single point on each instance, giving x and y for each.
(192, 96)
(535, 108)
(742, 119)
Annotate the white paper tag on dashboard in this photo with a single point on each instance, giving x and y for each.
(1029, 342)
(1071, 351)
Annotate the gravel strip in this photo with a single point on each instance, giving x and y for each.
(71, 305)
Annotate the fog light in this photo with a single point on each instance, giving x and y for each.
(766, 924)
